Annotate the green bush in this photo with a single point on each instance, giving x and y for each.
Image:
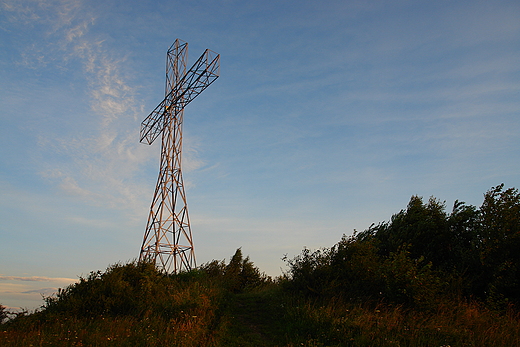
(134, 289)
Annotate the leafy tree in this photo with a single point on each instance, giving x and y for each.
(423, 227)
(353, 270)
(423, 252)
(464, 261)
(241, 274)
(448, 241)
(214, 269)
(310, 273)
(356, 266)
(500, 243)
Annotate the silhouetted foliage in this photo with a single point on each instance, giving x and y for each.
(500, 243)
(423, 254)
(239, 275)
(353, 270)
(131, 289)
(424, 278)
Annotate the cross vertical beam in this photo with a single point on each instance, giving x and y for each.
(168, 240)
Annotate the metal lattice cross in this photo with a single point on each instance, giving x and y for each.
(168, 239)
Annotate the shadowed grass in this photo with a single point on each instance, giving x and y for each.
(338, 324)
(136, 305)
(255, 319)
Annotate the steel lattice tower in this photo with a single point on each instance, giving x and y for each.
(168, 239)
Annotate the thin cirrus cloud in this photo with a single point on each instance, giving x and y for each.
(36, 279)
(27, 291)
(104, 159)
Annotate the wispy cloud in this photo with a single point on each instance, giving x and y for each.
(101, 164)
(27, 291)
(36, 279)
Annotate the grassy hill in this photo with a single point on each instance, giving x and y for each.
(135, 305)
(424, 278)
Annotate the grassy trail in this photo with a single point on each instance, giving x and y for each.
(255, 319)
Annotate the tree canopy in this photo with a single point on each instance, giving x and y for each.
(422, 251)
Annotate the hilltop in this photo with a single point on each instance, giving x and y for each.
(426, 277)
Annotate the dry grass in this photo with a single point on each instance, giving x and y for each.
(299, 323)
(336, 323)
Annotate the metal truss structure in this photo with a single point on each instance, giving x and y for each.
(168, 239)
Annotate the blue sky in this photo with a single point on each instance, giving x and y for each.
(328, 116)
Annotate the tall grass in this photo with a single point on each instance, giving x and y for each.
(131, 304)
(113, 331)
(235, 305)
(137, 305)
(336, 323)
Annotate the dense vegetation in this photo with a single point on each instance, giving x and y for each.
(426, 277)
(422, 254)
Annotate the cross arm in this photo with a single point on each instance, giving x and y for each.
(199, 77)
(203, 73)
(152, 125)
